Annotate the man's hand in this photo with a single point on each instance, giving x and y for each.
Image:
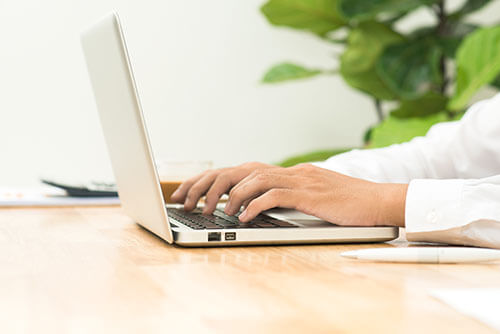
(213, 184)
(319, 192)
(316, 191)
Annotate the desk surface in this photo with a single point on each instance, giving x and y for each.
(94, 270)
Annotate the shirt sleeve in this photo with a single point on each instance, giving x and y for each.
(469, 148)
(457, 211)
(453, 174)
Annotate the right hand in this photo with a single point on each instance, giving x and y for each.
(213, 184)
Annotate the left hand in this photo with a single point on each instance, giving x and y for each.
(328, 195)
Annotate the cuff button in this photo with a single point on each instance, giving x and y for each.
(432, 217)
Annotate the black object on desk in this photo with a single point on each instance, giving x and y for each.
(93, 189)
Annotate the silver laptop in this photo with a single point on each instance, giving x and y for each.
(137, 179)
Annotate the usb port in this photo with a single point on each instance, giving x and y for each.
(214, 236)
(230, 236)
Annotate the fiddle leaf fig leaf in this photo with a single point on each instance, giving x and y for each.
(453, 35)
(478, 64)
(496, 83)
(430, 103)
(287, 71)
(365, 44)
(411, 68)
(316, 16)
(399, 130)
(469, 7)
(365, 10)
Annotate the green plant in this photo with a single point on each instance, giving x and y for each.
(428, 75)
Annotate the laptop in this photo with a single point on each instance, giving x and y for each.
(136, 176)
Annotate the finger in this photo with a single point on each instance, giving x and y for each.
(245, 203)
(259, 175)
(223, 182)
(275, 170)
(284, 198)
(250, 177)
(199, 189)
(179, 195)
(254, 187)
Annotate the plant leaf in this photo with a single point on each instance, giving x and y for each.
(454, 35)
(478, 64)
(317, 16)
(399, 130)
(287, 71)
(468, 7)
(365, 10)
(365, 44)
(448, 38)
(430, 103)
(312, 156)
(411, 68)
(496, 83)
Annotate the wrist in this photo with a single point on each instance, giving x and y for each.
(392, 204)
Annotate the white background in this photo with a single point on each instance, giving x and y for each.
(198, 64)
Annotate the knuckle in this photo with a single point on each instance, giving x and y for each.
(211, 173)
(250, 164)
(221, 178)
(301, 166)
(193, 194)
(275, 193)
(196, 189)
(258, 171)
(278, 194)
(186, 185)
(216, 190)
(236, 194)
(262, 178)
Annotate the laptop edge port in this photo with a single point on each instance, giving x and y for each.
(214, 236)
(230, 236)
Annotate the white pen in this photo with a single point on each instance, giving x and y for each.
(425, 254)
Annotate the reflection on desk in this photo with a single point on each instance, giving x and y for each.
(94, 270)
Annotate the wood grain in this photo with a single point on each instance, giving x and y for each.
(81, 270)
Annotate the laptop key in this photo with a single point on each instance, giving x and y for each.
(219, 220)
(282, 223)
(222, 215)
(264, 224)
(211, 227)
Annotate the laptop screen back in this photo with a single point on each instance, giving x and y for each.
(123, 125)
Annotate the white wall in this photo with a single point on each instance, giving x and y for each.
(198, 65)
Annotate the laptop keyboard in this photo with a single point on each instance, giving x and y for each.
(219, 220)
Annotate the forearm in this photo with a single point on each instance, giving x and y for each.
(392, 204)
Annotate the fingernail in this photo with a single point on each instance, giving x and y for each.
(174, 193)
(226, 209)
(243, 215)
(205, 211)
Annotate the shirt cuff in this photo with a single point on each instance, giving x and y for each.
(434, 205)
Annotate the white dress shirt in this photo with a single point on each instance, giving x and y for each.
(453, 174)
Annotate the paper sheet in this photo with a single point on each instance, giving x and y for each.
(48, 196)
(482, 304)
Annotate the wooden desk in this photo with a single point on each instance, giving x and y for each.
(92, 270)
